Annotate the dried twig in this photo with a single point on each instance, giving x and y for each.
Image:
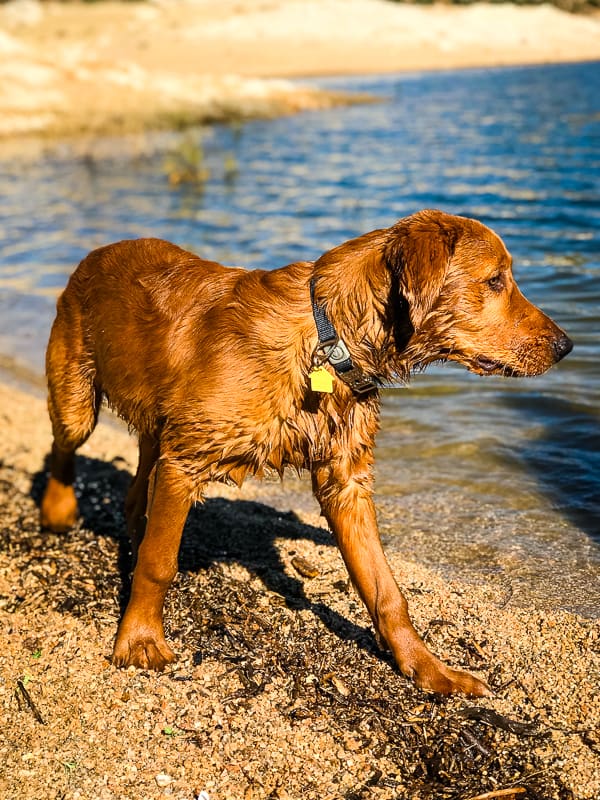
(506, 793)
(27, 697)
(496, 720)
(474, 742)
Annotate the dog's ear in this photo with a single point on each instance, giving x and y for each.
(418, 252)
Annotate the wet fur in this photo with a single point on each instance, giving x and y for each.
(210, 365)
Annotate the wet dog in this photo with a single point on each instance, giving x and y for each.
(225, 372)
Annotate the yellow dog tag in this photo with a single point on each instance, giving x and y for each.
(321, 380)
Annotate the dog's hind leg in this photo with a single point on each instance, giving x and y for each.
(73, 403)
(138, 496)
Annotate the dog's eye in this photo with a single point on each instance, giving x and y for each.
(496, 283)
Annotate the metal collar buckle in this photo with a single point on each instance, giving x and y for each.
(332, 349)
(323, 351)
(337, 354)
(357, 380)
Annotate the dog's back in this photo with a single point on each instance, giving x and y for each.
(127, 319)
(183, 348)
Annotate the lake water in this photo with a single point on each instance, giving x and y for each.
(494, 476)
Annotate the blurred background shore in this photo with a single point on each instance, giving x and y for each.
(112, 67)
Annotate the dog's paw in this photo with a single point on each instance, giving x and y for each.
(58, 510)
(142, 652)
(431, 674)
(437, 677)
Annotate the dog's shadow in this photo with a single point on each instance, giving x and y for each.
(218, 530)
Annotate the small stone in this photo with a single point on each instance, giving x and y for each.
(338, 683)
(350, 743)
(163, 780)
(304, 567)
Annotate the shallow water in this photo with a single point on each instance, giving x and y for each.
(492, 475)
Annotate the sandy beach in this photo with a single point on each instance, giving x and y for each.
(72, 68)
(280, 690)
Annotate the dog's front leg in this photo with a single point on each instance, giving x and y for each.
(344, 493)
(140, 638)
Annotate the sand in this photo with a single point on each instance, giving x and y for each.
(280, 690)
(71, 68)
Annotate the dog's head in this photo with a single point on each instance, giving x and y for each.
(455, 275)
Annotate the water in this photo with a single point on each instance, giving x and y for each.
(474, 475)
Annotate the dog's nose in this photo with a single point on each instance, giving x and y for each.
(562, 346)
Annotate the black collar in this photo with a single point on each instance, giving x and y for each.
(333, 349)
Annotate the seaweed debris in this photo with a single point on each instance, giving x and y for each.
(318, 669)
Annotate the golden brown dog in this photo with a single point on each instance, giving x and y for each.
(222, 373)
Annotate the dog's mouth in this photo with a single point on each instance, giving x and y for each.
(488, 366)
(482, 365)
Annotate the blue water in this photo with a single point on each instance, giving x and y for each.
(492, 475)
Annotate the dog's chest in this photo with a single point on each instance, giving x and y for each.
(232, 445)
(319, 432)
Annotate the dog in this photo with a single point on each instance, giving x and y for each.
(225, 372)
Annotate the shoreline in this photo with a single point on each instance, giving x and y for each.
(109, 67)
